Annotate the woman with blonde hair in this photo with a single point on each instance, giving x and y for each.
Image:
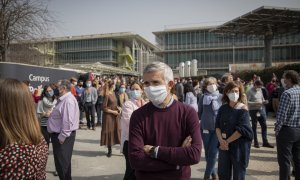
(23, 150)
(209, 105)
(110, 132)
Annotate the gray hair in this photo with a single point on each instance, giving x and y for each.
(160, 67)
(65, 83)
(225, 77)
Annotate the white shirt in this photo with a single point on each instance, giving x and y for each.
(128, 108)
(191, 100)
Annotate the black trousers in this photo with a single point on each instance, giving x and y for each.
(63, 155)
(89, 109)
(260, 116)
(129, 172)
(288, 146)
(99, 113)
(45, 134)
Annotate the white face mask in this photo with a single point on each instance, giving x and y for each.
(283, 83)
(212, 88)
(233, 96)
(136, 94)
(75, 83)
(156, 94)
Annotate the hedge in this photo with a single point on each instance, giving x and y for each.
(267, 73)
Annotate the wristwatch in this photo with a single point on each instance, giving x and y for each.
(152, 152)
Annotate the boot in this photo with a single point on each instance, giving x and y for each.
(267, 144)
(109, 151)
(256, 145)
(215, 177)
(206, 178)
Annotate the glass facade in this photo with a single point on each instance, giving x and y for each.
(123, 50)
(86, 51)
(215, 52)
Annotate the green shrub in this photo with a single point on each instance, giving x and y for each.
(267, 73)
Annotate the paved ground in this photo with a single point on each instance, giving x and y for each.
(89, 159)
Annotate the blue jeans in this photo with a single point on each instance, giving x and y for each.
(210, 142)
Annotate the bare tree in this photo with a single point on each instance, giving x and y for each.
(22, 19)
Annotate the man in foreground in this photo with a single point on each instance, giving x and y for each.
(164, 135)
(62, 125)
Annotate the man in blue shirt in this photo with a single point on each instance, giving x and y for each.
(287, 126)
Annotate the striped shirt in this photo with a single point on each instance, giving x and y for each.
(289, 109)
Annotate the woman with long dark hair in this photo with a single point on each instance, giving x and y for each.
(44, 109)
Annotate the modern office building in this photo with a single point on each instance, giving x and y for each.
(217, 52)
(264, 37)
(121, 50)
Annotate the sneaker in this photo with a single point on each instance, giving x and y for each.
(80, 122)
(55, 173)
(268, 145)
(93, 128)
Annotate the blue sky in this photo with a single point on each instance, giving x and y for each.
(82, 17)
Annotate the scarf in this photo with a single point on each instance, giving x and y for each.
(47, 103)
(212, 98)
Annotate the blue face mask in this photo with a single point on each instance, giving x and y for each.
(49, 94)
(122, 90)
(135, 94)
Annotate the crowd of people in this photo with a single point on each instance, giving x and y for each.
(220, 114)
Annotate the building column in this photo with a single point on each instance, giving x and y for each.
(268, 49)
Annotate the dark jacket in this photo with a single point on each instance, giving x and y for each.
(230, 120)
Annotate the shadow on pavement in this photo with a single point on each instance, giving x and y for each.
(89, 153)
(93, 153)
(202, 170)
(264, 173)
(110, 177)
(260, 150)
(91, 141)
(272, 135)
(266, 159)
